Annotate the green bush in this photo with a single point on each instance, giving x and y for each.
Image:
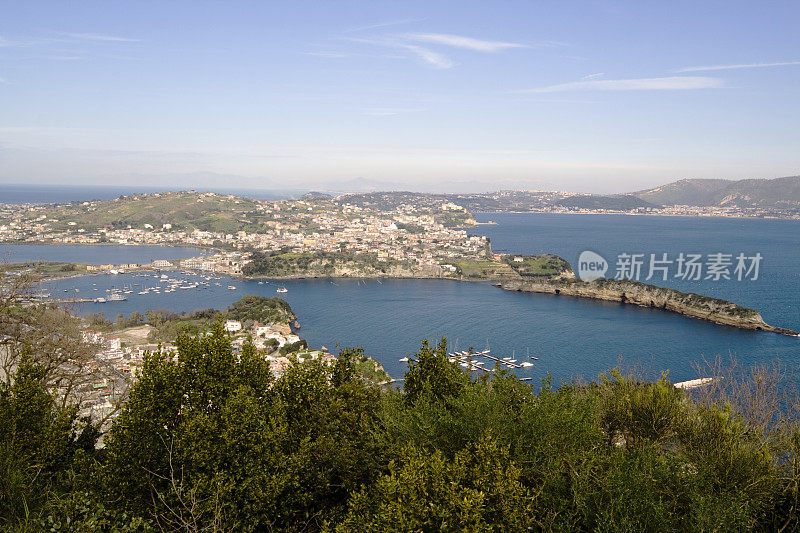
(211, 440)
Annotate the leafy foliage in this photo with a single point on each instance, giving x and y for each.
(38, 443)
(546, 265)
(251, 308)
(183, 210)
(432, 373)
(211, 441)
(210, 438)
(479, 490)
(260, 309)
(322, 264)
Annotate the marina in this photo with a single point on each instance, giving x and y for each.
(466, 359)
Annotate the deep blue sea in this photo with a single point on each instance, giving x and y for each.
(572, 337)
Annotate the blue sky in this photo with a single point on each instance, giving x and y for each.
(583, 96)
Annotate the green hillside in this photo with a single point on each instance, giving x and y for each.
(616, 202)
(778, 192)
(184, 210)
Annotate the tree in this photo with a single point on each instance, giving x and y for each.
(38, 441)
(260, 309)
(168, 446)
(154, 318)
(208, 440)
(480, 490)
(51, 338)
(433, 373)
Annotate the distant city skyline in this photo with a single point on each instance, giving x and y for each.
(600, 96)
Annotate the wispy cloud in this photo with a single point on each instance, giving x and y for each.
(65, 58)
(327, 53)
(459, 41)
(6, 43)
(594, 76)
(62, 39)
(428, 56)
(382, 25)
(388, 111)
(540, 100)
(673, 83)
(739, 66)
(413, 43)
(100, 37)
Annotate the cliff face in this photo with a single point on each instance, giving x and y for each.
(632, 292)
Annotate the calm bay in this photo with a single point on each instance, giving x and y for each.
(570, 336)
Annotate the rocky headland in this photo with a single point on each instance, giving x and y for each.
(645, 295)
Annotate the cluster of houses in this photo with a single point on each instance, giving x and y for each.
(269, 340)
(114, 367)
(296, 225)
(229, 263)
(114, 269)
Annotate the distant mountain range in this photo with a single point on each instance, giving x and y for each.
(779, 193)
(753, 197)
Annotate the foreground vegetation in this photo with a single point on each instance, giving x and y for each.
(211, 441)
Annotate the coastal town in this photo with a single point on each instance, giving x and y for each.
(399, 234)
(407, 234)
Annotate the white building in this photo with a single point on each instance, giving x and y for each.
(262, 331)
(232, 326)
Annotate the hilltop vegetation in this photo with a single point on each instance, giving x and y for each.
(319, 264)
(260, 309)
(183, 210)
(167, 326)
(538, 266)
(616, 202)
(211, 441)
(783, 193)
(455, 216)
(218, 213)
(43, 269)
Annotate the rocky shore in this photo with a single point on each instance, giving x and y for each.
(642, 294)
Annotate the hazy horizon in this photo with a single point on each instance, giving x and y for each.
(353, 186)
(600, 97)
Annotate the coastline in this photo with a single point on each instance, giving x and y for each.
(632, 214)
(715, 310)
(640, 294)
(202, 247)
